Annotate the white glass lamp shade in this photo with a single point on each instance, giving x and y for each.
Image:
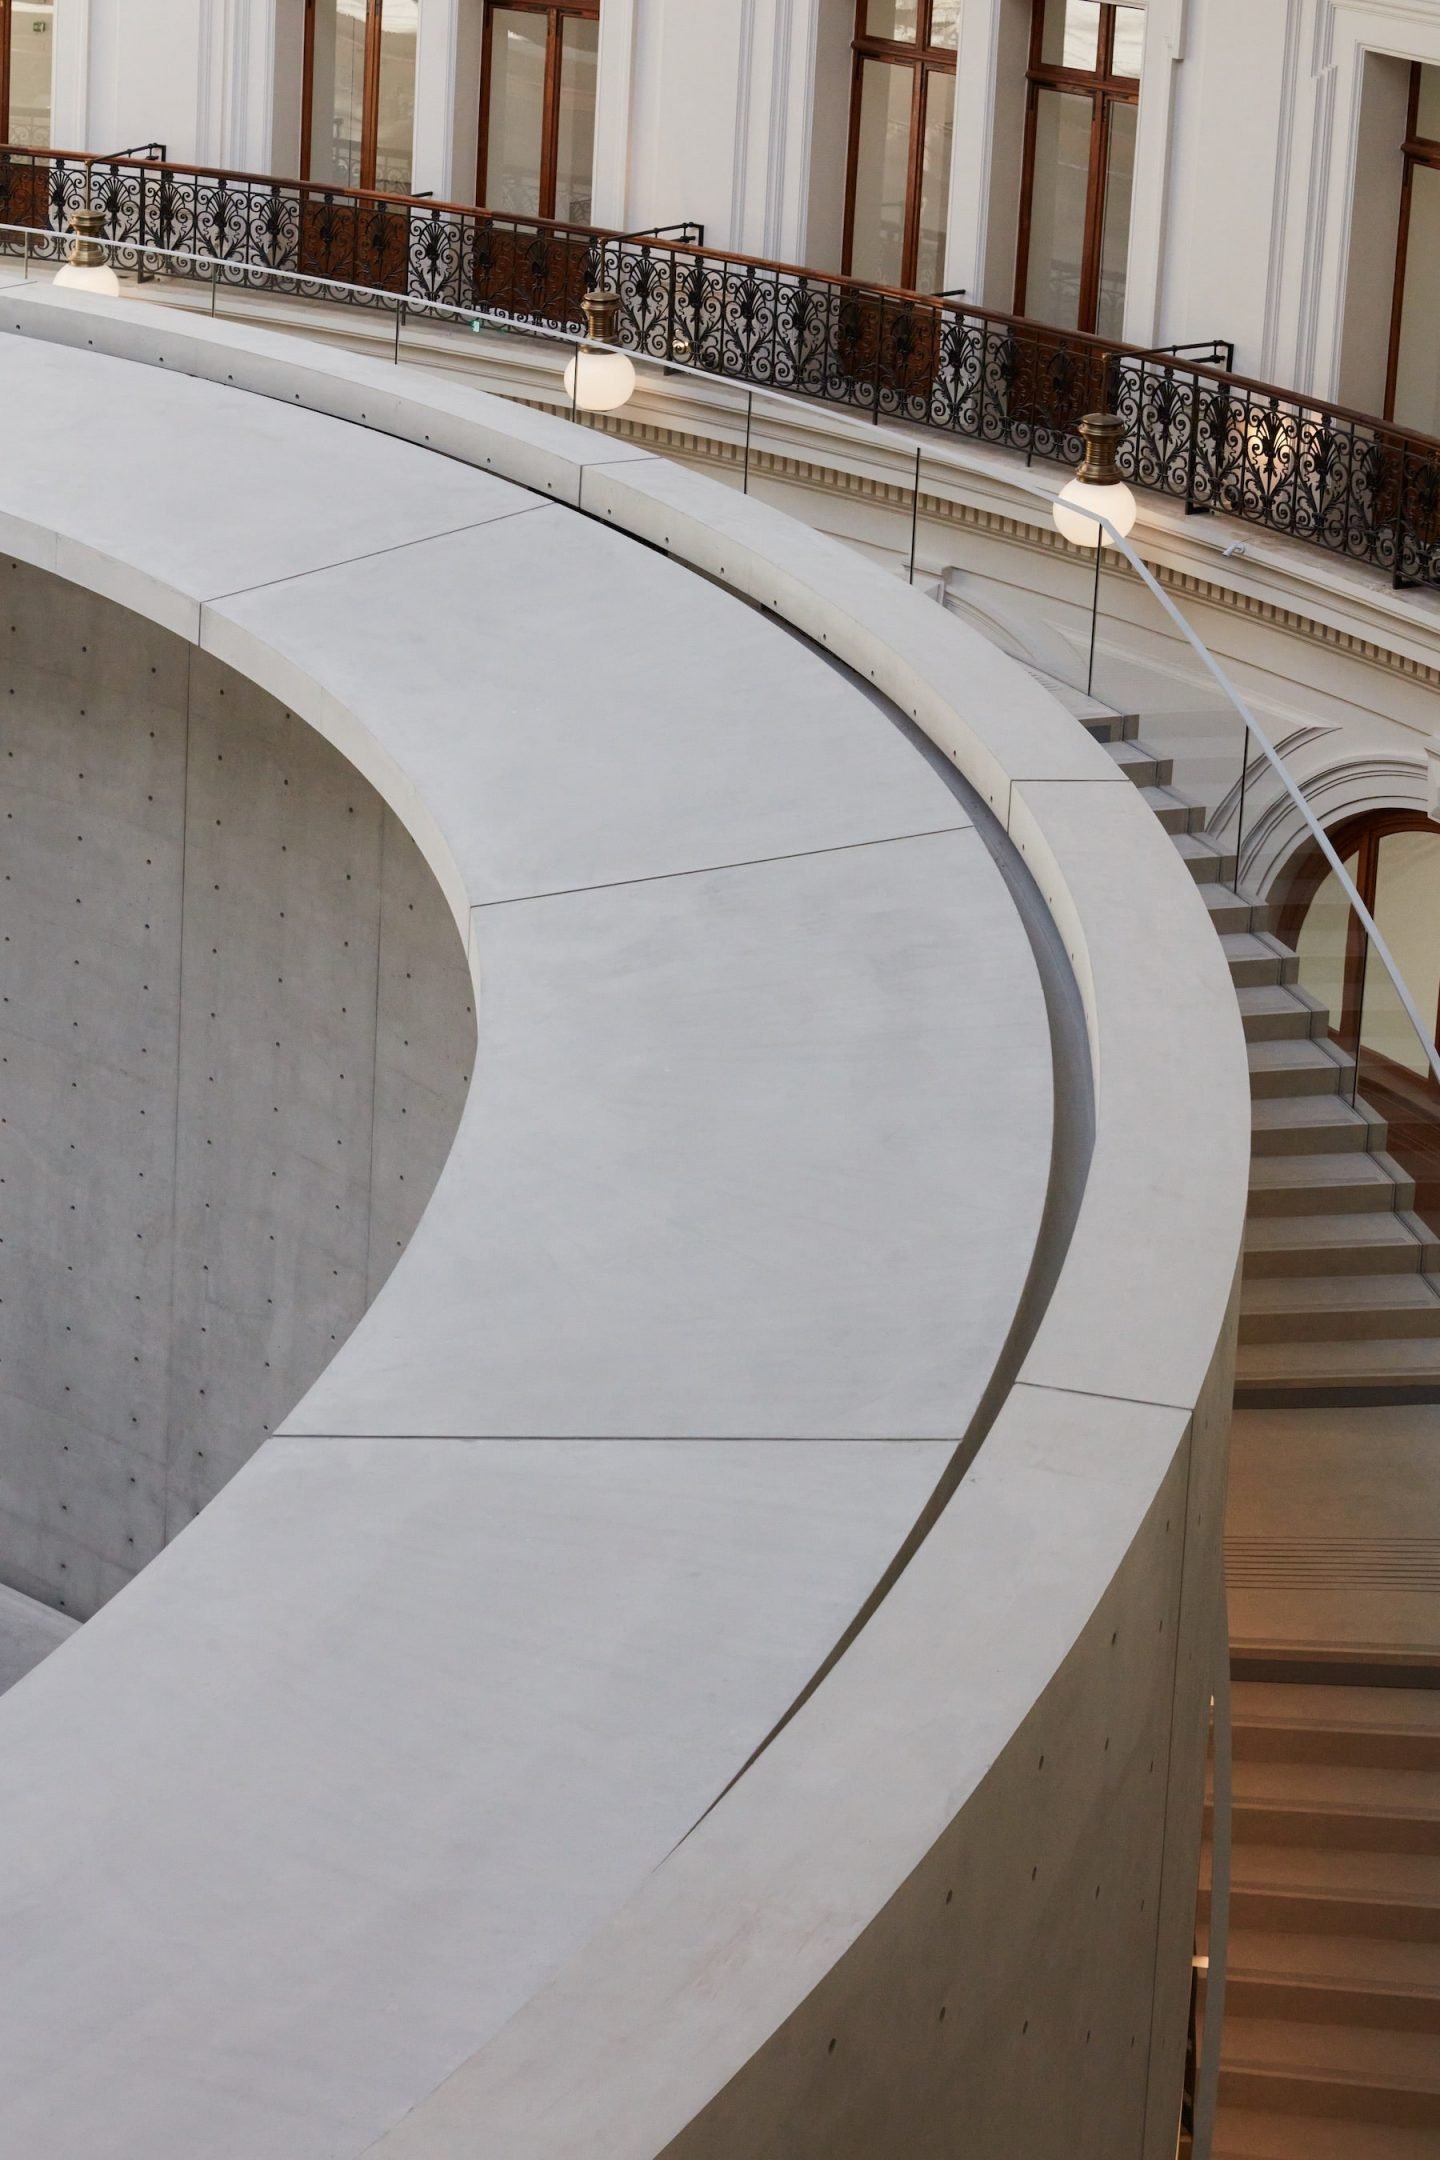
(599, 381)
(1113, 500)
(92, 278)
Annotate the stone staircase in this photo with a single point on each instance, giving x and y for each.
(1331, 2047)
(1332, 2010)
(1341, 1292)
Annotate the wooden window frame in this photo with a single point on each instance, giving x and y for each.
(924, 60)
(1361, 836)
(557, 12)
(1416, 150)
(369, 96)
(1106, 90)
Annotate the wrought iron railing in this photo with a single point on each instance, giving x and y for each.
(1335, 479)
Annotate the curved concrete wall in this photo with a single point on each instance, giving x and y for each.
(236, 1026)
(990, 1804)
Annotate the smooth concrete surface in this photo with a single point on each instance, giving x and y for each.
(215, 1139)
(29, 1631)
(1058, 1618)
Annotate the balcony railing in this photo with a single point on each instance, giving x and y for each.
(1335, 479)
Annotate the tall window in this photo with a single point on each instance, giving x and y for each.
(26, 43)
(537, 108)
(1412, 390)
(902, 120)
(1079, 164)
(359, 110)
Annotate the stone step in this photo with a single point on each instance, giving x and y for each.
(1272, 1012)
(1395, 1728)
(1344, 2072)
(1313, 1124)
(1111, 727)
(1230, 910)
(1332, 1890)
(1141, 764)
(1255, 956)
(1384, 1242)
(1380, 1362)
(1352, 1184)
(1299, 1067)
(1333, 1979)
(1333, 1308)
(1242, 2134)
(1177, 813)
(1360, 1808)
(1207, 864)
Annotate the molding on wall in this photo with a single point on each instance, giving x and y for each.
(685, 445)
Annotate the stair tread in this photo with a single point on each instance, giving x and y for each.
(1361, 1874)
(1341, 1787)
(1383, 1226)
(1341, 1293)
(1354, 2054)
(1345, 1709)
(1314, 1110)
(1250, 2134)
(1273, 997)
(1352, 1961)
(1310, 1170)
(1247, 944)
(1377, 1360)
(1297, 1053)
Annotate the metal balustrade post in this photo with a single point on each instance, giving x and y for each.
(1094, 613)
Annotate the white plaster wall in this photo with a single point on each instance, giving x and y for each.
(236, 1031)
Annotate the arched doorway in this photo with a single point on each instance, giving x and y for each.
(1394, 858)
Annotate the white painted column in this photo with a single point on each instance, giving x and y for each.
(614, 106)
(989, 140)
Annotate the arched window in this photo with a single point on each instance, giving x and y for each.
(902, 120)
(1080, 120)
(358, 117)
(27, 39)
(537, 108)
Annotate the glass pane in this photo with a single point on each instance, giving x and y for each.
(897, 19)
(1324, 936)
(1407, 914)
(575, 148)
(1071, 34)
(1417, 374)
(882, 166)
(1057, 207)
(1115, 221)
(935, 179)
(517, 111)
(945, 23)
(395, 136)
(337, 96)
(1129, 41)
(31, 44)
(1427, 114)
